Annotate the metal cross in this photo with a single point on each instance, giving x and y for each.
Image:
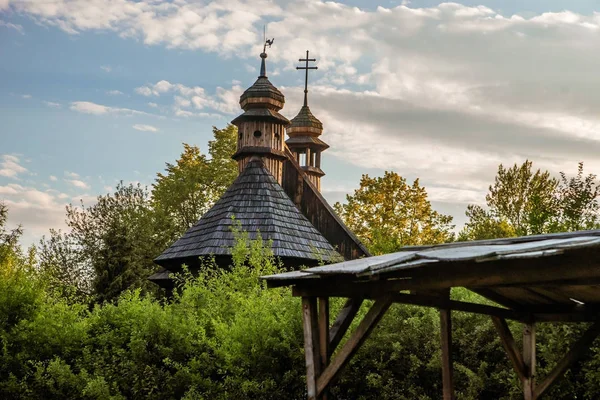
(306, 76)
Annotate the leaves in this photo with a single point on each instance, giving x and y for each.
(522, 202)
(191, 186)
(387, 213)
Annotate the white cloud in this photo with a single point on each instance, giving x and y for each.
(87, 107)
(10, 166)
(145, 128)
(53, 178)
(78, 183)
(114, 92)
(26, 96)
(71, 174)
(224, 101)
(106, 68)
(52, 104)
(9, 25)
(37, 210)
(153, 105)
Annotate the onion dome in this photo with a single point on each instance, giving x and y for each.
(262, 100)
(305, 123)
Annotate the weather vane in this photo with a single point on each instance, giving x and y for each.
(306, 67)
(267, 41)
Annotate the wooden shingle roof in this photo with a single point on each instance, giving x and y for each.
(260, 204)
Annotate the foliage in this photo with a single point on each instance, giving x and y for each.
(224, 335)
(190, 186)
(387, 213)
(65, 268)
(522, 202)
(579, 201)
(118, 237)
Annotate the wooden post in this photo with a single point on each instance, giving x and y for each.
(446, 340)
(529, 360)
(311, 345)
(324, 337)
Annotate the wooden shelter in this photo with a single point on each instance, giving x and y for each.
(534, 279)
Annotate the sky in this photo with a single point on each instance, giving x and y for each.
(97, 91)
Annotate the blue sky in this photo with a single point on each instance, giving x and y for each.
(97, 91)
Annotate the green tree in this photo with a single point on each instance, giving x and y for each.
(190, 187)
(119, 237)
(387, 213)
(523, 202)
(64, 267)
(578, 199)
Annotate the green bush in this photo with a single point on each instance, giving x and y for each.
(225, 336)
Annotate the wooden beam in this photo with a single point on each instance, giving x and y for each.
(353, 343)
(578, 350)
(414, 299)
(508, 342)
(311, 345)
(529, 360)
(324, 336)
(496, 297)
(567, 317)
(446, 341)
(445, 303)
(342, 322)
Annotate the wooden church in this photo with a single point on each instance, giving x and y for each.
(277, 192)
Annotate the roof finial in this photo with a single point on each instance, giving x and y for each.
(306, 76)
(263, 55)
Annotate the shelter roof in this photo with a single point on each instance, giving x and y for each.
(540, 272)
(259, 203)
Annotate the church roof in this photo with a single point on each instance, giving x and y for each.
(305, 118)
(262, 93)
(260, 204)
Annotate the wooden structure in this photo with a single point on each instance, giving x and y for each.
(273, 194)
(304, 132)
(535, 279)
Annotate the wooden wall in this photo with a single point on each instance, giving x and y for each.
(314, 207)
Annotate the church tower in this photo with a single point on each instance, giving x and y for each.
(304, 133)
(261, 129)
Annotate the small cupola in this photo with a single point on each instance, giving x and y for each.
(304, 133)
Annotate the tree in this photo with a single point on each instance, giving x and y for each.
(578, 201)
(386, 213)
(65, 269)
(521, 202)
(191, 186)
(119, 236)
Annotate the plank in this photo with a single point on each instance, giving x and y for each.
(529, 360)
(311, 345)
(578, 350)
(508, 342)
(446, 342)
(324, 336)
(353, 343)
(441, 302)
(342, 322)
